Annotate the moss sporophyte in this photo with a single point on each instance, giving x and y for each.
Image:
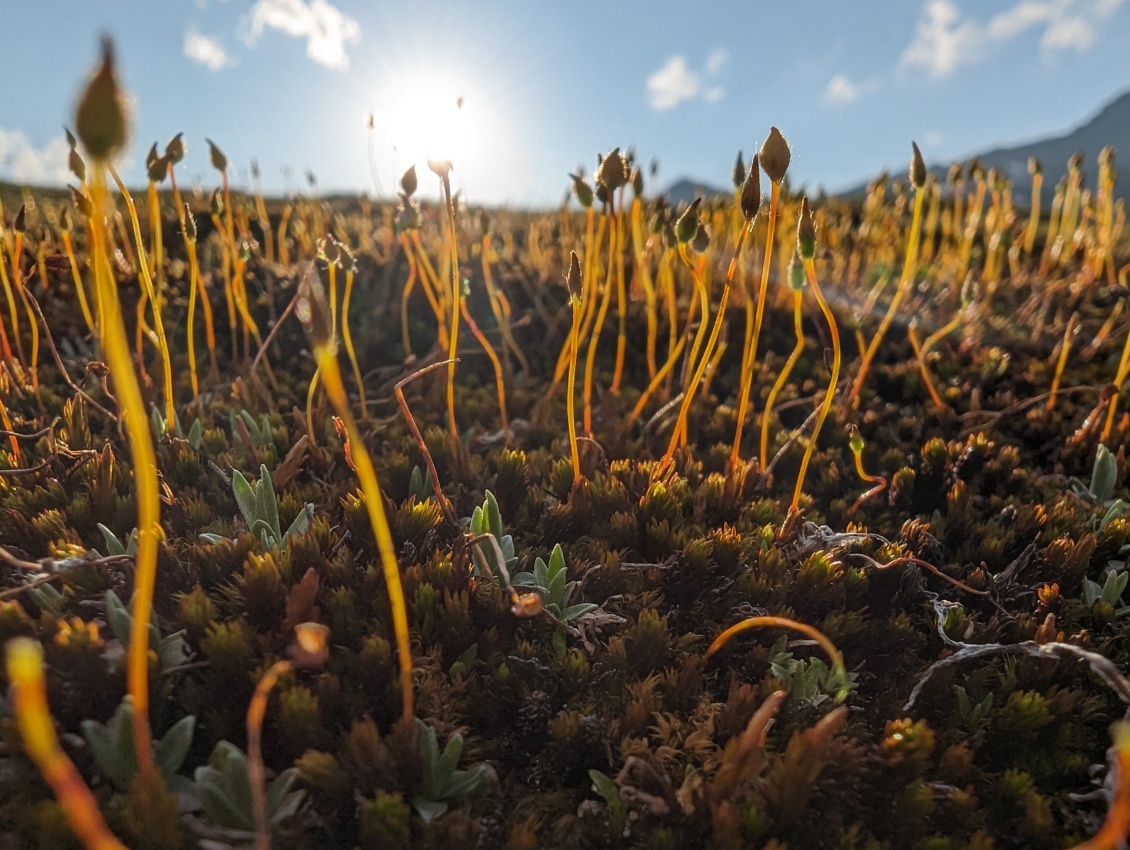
(382, 595)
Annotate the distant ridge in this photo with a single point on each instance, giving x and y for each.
(1111, 126)
(685, 190)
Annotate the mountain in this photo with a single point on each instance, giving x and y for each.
(1111, 126)
(685, 190)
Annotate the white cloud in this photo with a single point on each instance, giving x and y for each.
(672, 84)
(944, 41)
(841, 91)
(676, 82)
(326, 28)
(22, 162)
(205, 50)
(716, 60)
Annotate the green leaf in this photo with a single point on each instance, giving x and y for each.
(1114, 585)
(111, 745)
(195, 434)
(279, 802)
(494, 517)
(119, 617)
(244, 497)
(1092, 592)
(578, 610)
(172, 749)
(1104, 475)
(428, 810)
(268, 504)
(113, 543)
(301, 522)
(224, 790)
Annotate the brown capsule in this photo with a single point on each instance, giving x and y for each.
(573, 278)
(158, 169)
(174, 150)
(612, 172)
(775, 156)
(409, 182)
(311, 309)
(526, 605)
(582, 190)
(311, 645)
(72, 142)
(442, 168)
(100, 120)
(64, 219)
(76, 165)
(20, 224)
(806, 232)
(738, 173)
(82, 202)
(917, 168)
(637, 183)
(1035, 166)
(216, 204)
(687, 225)
(188, 223)
(219, 161)
(701, 238)
(750, 200)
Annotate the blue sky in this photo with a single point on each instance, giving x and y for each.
(547, 85)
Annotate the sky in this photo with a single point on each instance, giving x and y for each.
(516, 93)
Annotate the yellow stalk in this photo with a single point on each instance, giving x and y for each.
(495, 363)
(783, 376)
(313, 388)
(621, 303)
(587, 312)
(1119, 379)
(598, 325)
(905, 284)
(501, 309)
(284, 249)
(13, 312)
(17, 276)
(880, 483)
(255, 772)
(147, 282)
(576, 299)
(264, 224)
(456, 299)
(692, 386)
(644, 273)
(311, 310)
(780, 623)
(188, 231)
(749, 356)
(414, 251)
(920, 355)
(80, 290)
(1034, 213)
(348, 339)
(405, 294)
(115, 349)
(1061, 361)
(810, 273)
(33, 717)
(229, 296)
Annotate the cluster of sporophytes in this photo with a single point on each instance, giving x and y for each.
(761, 570)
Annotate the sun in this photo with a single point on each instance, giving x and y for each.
(432, 115)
